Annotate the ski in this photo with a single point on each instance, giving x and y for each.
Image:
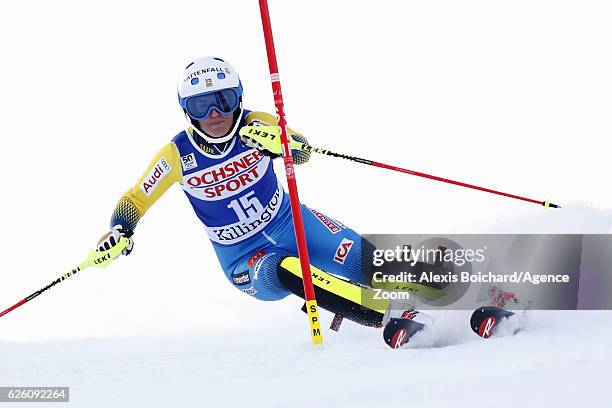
(485, 319)
(398, 331)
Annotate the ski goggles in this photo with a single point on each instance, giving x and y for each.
(200, 106)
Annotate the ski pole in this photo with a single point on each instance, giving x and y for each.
(545, 203)
(98, 259)
(265, 136)
(296, 211)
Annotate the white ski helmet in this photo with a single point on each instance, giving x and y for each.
(210, 83)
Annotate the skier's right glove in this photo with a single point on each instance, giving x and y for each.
(111, 238)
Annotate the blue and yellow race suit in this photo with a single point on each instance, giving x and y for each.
(245, 211)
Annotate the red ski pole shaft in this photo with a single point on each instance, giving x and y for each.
(457, 183)
(545, 203)
(298, 224)
(15, 306)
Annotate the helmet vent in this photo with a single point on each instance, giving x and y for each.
(190, 65)
(218, 59)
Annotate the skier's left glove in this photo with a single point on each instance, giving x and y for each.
(267, 140)
(111, 238)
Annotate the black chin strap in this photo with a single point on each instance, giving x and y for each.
(211, 148)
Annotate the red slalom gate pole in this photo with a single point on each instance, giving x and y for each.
(298, 224)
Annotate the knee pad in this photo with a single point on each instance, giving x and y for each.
(257, 276)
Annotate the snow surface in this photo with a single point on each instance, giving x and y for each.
(559, 359)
